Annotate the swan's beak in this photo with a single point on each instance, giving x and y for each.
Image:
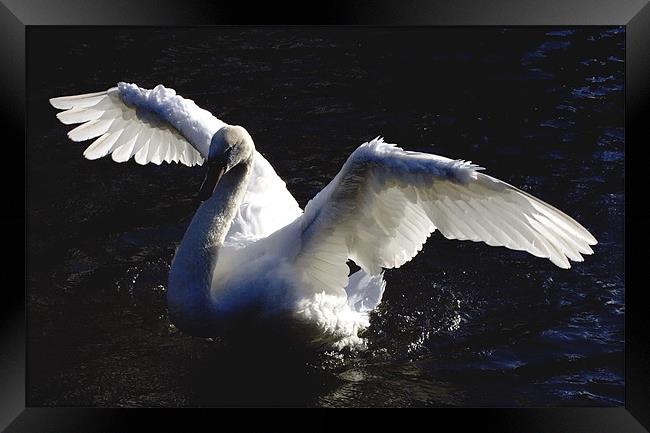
(212, 176)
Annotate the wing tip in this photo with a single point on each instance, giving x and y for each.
(63, 119)
(92, 157)
(72, 135)
(57, 103)
(562, 265)
(67, 102)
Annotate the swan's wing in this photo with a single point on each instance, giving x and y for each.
(159, 125)
(151, 125)
(385, 202)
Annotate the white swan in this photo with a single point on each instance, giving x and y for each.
(251, 253)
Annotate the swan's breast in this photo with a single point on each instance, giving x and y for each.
(263, 284)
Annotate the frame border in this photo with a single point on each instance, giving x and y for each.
(17, 16)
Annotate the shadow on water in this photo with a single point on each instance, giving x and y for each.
(256, 372)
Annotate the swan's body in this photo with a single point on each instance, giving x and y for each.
(250, 253)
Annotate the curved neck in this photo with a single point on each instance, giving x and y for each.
(190, 278)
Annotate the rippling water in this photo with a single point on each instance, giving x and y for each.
(463, 324)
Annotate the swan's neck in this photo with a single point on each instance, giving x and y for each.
(190, 278)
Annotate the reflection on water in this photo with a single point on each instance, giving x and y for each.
(462, 324)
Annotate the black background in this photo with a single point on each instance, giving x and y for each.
(519, 12)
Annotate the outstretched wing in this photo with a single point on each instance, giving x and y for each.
(158, 125)
(385, 202)
(150, 125)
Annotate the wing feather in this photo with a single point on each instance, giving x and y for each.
(126, 144)
(385, 202)
(78, 101)
(78, 115)
(166, 127)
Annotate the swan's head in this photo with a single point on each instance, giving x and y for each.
(229, 146)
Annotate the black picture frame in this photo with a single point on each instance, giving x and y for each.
(16, 16)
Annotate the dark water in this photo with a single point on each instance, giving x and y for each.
(463, 324)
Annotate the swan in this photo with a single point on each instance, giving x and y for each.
(250, 253)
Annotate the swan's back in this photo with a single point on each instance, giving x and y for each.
(267, 206)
